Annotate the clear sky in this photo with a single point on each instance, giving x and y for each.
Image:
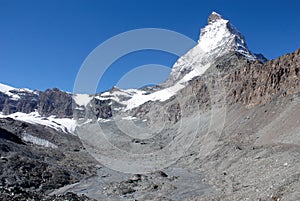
(44, 42)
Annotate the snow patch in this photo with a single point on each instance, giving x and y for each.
(129, 118)
(5, 88)
(119, 95)
(13, 92)
(38, 141)
(82, 99)
(103, 120)
(162, 95)
(65, 125)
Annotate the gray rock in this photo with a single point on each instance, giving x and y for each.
(29, 171)
(55, 102)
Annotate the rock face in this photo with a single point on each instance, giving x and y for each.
(27, 102)
(257, 83)
(214, 17)
(55, 102)
(50, 102)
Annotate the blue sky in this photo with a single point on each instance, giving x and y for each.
(43, 43)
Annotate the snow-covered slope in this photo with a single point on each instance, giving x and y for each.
(220, 35)
(164, 94)
(12, 92)
(82, 99)
(119, 95)
(218, 38)
(5, 88)
(66, 125)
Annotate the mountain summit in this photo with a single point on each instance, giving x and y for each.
(221, 36)
(217, 38)
(214, 17)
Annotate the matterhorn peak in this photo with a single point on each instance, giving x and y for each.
(218, 38)
(214, 17)
(221, 36)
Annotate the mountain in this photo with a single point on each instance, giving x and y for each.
(217, 39)
(224, 126)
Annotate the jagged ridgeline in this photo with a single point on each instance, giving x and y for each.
(217, 39)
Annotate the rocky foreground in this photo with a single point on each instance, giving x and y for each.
(30, 172)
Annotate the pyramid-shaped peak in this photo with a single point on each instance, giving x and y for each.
(213, 17)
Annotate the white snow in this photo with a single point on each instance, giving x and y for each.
(103, 120)
(61, 124)
(119, 95)
(79, 108)
(66, 123)
(38, 141)
(216, 39)
(222, 36)
(142, 97)
(119, 92)
(214, 35)
(13, 92)
(194, 73)
(5, 88)
(82, 99)
(129, 118)
(214, 13)
(162, 95)
(115, 95)
(115, 98)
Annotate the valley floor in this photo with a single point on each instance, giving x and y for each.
(255, 156)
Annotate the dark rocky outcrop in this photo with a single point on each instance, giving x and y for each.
(250, 83)
(26, 103)
(256, 83)
(6, 135)
(55, 102)
(47, 103)
(213, 17)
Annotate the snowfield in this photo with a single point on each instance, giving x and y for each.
(65, 125)
(13, 92)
